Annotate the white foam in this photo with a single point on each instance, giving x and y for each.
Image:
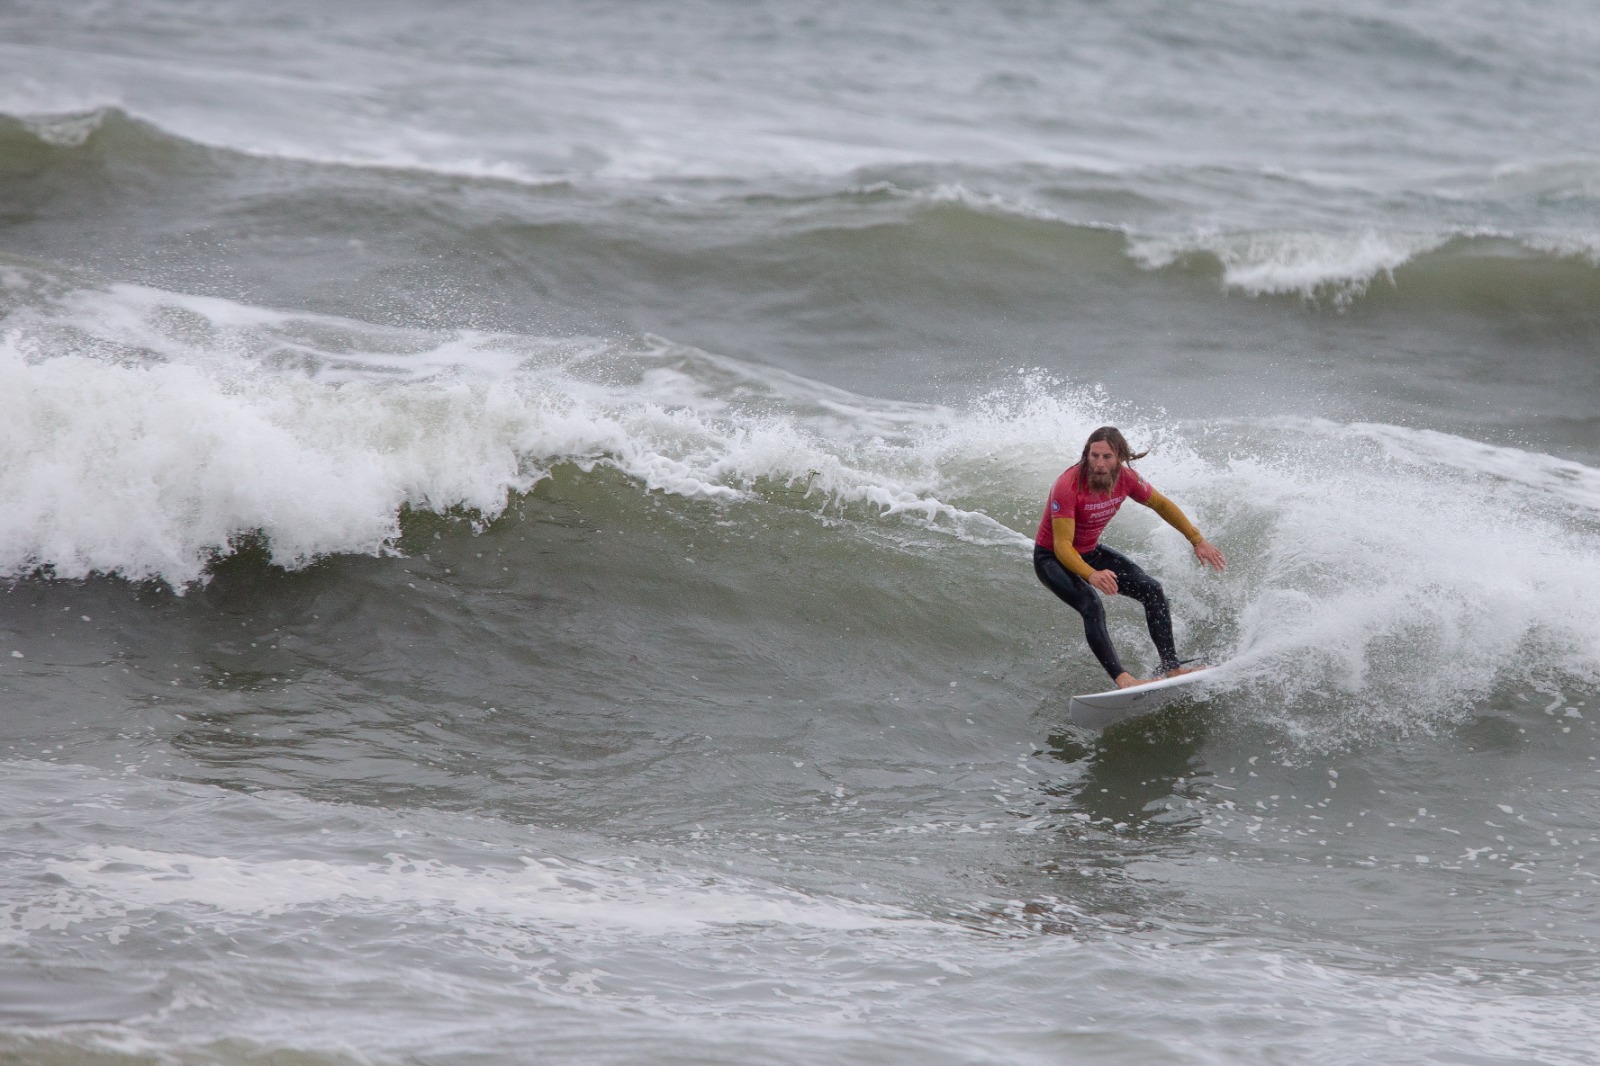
(1539, 476)
(994, 203)
(1576, 245)
(142, 469)
(1389, 578)
(143, 430)
(1341, 265)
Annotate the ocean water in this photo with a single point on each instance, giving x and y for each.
(515, 527)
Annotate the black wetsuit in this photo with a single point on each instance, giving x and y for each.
(1082, 597)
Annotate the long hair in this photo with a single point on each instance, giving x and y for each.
(1119, 444)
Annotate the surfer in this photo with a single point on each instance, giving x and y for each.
(1071, 561)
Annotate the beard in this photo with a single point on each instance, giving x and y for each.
(1103, 482)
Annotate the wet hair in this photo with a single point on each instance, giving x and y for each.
(1119, 444)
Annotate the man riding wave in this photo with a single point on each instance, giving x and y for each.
(1072, 563)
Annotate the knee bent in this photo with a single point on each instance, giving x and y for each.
(1144, 587)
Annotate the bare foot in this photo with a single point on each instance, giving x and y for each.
(1181, 670)
(1127, 680)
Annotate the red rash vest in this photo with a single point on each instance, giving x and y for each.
(1090, 510)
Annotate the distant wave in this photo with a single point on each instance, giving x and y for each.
(1456, 270)
(1335, 265)
(32, 142)
(1470, 270)
(1339, 268)
(956, 225)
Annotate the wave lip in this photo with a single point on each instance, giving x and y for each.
(32, 142)
(1472, 270)
(1289, 263)
(142, 432)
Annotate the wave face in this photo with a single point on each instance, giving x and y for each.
(72, 162)
(515, 527)
(151, 434)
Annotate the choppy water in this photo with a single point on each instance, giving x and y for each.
(516, 525)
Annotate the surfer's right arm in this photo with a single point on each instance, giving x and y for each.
(1062, 530)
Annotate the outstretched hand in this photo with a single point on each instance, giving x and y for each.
(1208, 555)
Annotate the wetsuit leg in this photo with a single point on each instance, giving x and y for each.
(1078, 594)
(1134, 583)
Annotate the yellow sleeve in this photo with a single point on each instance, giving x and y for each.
(1062, 530)
(1173, 517)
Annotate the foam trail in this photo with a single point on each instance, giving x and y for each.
(546, 890)
(550, 947)
(1366, 594)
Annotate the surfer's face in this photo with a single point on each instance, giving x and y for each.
(1104, 466)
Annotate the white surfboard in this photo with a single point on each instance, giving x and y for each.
(1096, 710)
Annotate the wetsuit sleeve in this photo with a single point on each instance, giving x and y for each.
(1063, 529)
(1173, 517)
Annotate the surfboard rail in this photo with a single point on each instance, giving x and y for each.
(1097, 710)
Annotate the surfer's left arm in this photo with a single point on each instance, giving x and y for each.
(1204, 550)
